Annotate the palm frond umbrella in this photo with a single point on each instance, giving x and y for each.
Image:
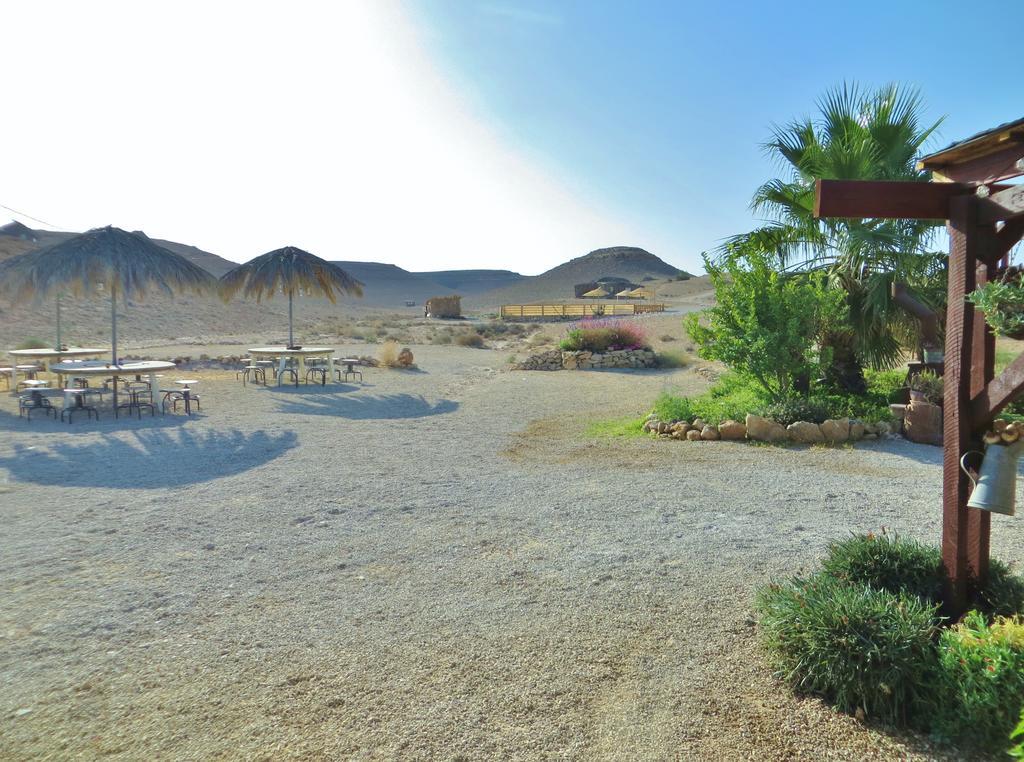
(596, 293)
(291, 271)
(125, 264)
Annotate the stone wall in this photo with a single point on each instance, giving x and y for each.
(556, 359)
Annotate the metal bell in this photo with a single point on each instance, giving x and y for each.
(996, 487)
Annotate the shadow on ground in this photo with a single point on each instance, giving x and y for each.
(383, 407)
(147, 459)
(106, 423)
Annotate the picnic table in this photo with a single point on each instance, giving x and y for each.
(88, 368)
(47, 356)
(282, 354)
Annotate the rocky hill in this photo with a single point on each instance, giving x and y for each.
(629, 262)
(467, 282)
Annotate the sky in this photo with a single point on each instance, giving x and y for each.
(443, 134)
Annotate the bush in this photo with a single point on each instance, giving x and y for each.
(472, 339)
(888, 563)
(604, 335)
(1017, 752)
(858, 647)
(796, 409)
(33, 344)
(981, 680)
(388, 354)
(766, 324)
(1003, 595)
(670, 359)
(405, 358)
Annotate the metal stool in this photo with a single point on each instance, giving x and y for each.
(79, 406)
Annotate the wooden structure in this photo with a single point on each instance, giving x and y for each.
(985, 221)
(443, 306)
(591, 309)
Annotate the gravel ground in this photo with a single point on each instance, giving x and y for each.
(434, 564)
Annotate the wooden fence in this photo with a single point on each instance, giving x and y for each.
(576, 310)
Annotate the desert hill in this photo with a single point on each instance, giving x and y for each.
(390, 286)
(467, 282)
(629, 262)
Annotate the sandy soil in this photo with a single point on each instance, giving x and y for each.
(432, 564)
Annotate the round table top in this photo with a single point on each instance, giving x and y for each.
(349, 360)
(283, 350)
(44, 354)
(187, 381)
(101, 368)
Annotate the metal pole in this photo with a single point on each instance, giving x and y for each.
(59, 345)
(291, 338)
(113, 338)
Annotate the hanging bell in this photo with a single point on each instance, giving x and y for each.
(996, 487)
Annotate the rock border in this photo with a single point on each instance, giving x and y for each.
(557, 359)
(760, 429)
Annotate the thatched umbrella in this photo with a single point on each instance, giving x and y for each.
(125, 264)
(596, 293)
(289, 270)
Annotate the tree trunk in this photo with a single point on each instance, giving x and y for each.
(845, 370)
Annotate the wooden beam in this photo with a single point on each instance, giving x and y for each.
(983, 169)
(1002, 205)
(1009, 236)
(886, 199)
(986, 405)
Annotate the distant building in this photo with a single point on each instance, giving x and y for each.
(610, 284)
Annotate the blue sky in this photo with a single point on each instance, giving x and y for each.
(442, 134)
(655, 111)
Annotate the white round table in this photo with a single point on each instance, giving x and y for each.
(282, 354)
(97, 368)
(47, 356)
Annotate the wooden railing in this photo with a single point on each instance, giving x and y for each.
(577, 310)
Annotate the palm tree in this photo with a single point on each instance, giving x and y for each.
(857, 136)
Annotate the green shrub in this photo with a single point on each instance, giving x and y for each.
(855, 646)
(766, 324)
(888, 563)
(1003, 594)
(796, 409)
(980, 683)
(1017, 752)
(472, 339)
(668, 407)
(33, 344)
(670, 359)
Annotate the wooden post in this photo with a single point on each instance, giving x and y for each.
(956, 428)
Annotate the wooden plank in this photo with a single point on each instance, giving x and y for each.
(1002, 205)
(956, 418)
(1009, 236)
(886, 199)
(993, 398)
(984, 169)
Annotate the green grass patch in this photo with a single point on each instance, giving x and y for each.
(616, 428)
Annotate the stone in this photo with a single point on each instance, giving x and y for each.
(836, 429)
(682, 426)
(857, 430)
(923, 423)
(678, 433)
(693, 435)
(764, 429)
(898, 411)
(709, 433)
(805, 432)
(699, 423)
(570, 361)
(732, 430)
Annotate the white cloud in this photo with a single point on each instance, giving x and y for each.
(240, 129)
